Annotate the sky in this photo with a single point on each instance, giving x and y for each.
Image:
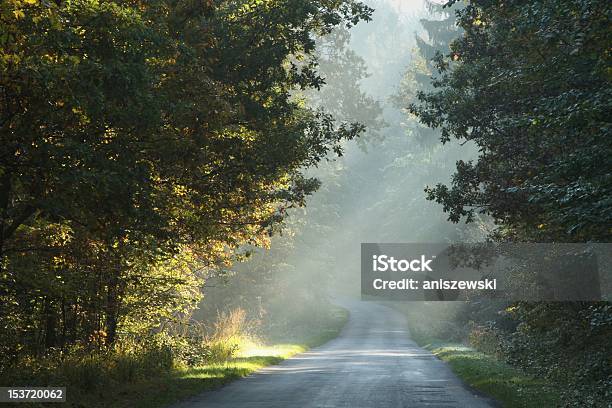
(405, 6)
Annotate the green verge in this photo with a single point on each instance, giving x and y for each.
(161, 389)
(510, 386)
(181, 384)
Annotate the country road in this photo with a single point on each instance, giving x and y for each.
(371, 364)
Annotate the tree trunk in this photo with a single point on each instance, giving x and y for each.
(50, 321)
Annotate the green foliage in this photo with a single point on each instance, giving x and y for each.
(141, 144)
(508, 385)
(441, 29)
(344, 70)
(528, 83)
(281, 284)
(568, 343)
(152, 372)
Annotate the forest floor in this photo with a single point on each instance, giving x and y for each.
(508, 385)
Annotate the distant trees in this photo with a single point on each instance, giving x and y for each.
(440, 30)
(141, 142)
(290, 282)
(344, 72)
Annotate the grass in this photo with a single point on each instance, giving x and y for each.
(160, 392)
(510, 386)
(180, 384)
(98, 383)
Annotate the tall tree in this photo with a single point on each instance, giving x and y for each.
(529, 84)
(440, 29)
(531, 89)
(134, 135)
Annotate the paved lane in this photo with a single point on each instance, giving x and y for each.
(372, 364)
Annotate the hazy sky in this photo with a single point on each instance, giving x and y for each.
(406, 6)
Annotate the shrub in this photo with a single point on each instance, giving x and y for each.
(219, 341)
(487, 339)
(84, 372)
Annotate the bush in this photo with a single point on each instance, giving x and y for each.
(90, 370)
(231, 330)
(86, 372)
(220, 341)
(487, 339)
(569, 343)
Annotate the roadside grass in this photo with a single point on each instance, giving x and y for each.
(90, 383)
(182, 383)
(510, 386)
(163, 390)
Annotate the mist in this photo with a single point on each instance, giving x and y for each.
(196, 192)
(374, 192)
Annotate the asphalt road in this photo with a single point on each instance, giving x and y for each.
(372, 364)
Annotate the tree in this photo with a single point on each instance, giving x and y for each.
(440, 30)
(530, 89)
(343, 71)
(528, 83)
(135, 135)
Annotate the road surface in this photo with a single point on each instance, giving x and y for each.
(371, 364)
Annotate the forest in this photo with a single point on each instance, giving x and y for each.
(186, 183)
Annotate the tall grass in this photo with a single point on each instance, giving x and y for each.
(165, 367)
(134, 359)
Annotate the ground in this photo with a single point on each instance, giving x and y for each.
(372, 363)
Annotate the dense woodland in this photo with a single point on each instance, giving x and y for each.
(160, 161)
(142, 143)
(528, 83)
